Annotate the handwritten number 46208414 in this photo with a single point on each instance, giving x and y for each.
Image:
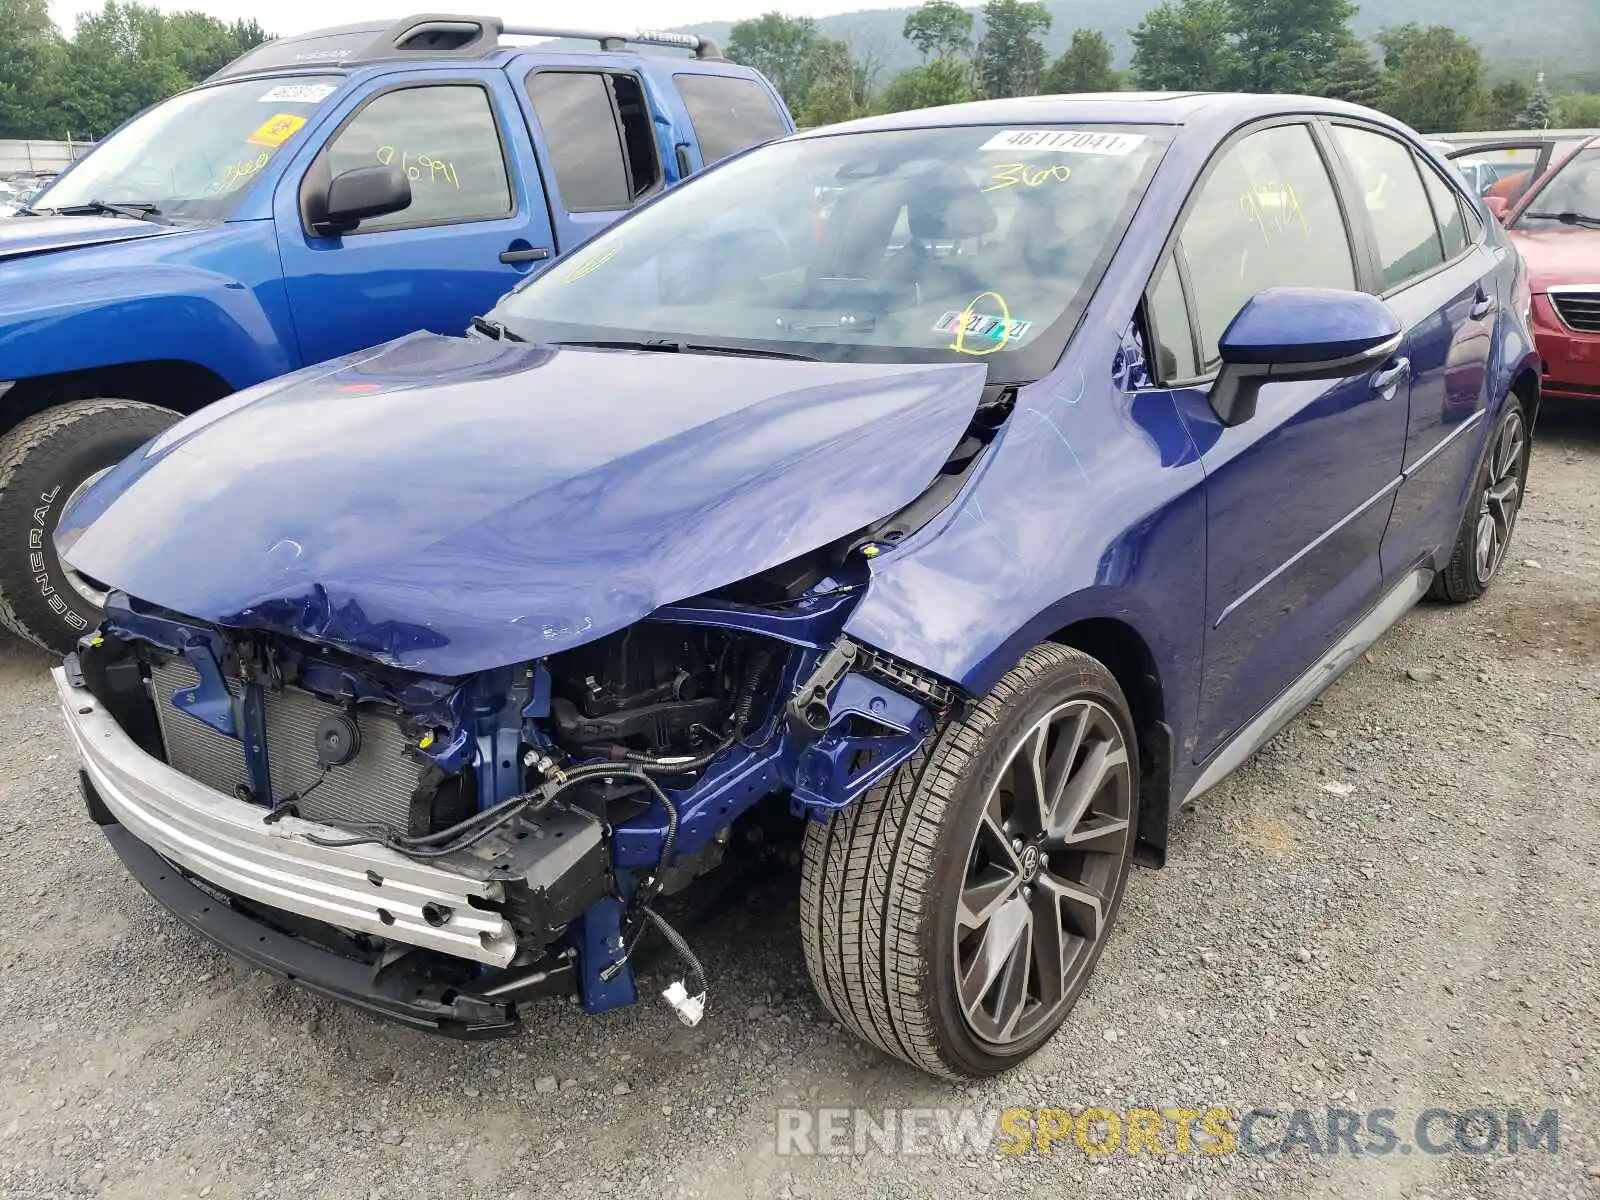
(420, 168)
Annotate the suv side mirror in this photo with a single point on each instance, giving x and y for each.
(1284, 335)
(358, 195)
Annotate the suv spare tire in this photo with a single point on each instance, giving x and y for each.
(45, 463)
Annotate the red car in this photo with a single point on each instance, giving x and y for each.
(1555, 223)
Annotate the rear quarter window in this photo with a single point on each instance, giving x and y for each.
(729, 114)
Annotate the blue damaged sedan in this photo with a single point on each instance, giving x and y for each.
(963, 490)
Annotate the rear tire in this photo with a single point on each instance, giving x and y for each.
(953, 915)
(1491, 516)
(44, 463)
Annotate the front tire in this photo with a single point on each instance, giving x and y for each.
(952, 917)
(1491, 517)
(45, 463)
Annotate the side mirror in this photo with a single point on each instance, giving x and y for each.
(358, 195)
(1498, 207)
(1285, 335)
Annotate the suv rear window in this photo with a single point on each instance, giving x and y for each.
(598, 129)
(729, 114)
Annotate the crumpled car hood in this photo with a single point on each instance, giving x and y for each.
(449, 505)
(20, 236)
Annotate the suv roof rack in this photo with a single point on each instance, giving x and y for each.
(434, 36)
(456, 34)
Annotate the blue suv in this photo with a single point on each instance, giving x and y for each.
(320, 195)
(968, 489)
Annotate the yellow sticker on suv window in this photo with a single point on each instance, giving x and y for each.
(277, 130)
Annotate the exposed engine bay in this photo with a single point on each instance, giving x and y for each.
(574, 790)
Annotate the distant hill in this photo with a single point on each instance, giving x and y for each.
(1561, 36)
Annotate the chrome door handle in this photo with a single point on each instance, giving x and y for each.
(1387, 381)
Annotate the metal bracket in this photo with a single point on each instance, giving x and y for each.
(209, 700)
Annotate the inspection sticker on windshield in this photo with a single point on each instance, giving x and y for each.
(277, 130)
(983, 328)
(1065, 141)
(299, 93)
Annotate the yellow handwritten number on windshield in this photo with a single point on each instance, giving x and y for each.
(236, 172)
(1008, 175)
(960, 344)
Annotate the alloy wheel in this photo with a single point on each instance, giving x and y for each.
(1042, 872)
(1502, 498)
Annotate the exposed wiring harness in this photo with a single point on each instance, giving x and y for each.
(474, 829)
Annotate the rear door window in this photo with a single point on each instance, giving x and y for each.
(1388, 184)
(599, 135)
(729, 114)
(1447, 211)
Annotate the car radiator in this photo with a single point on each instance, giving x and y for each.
(374, 788)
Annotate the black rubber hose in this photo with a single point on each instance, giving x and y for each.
(670, 842)
(490, 818)
(674, 766)
(745, 704)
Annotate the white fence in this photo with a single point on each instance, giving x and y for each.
(39, 156)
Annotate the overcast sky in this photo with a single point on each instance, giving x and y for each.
(296, 16)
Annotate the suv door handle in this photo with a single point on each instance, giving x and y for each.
(1388, 380)
(1483, 306)
(532, 254)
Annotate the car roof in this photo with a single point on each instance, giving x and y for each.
(1218, 109)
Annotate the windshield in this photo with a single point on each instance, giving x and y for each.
(197, 154)
(921, 245)
(1570, 197)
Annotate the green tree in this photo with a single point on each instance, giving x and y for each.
(30, 54)
(203, 45)
(780, 48)
(1435, 77)
(939, 29)
(1353, 76)
(1537, 112)
(1183, 44)
(838, 84)
(1010, 58)
(1286, 45)
(827, 104)
(121, 60)
(942, 81)
(1580, 110)
(1504, 105)
(1085, 66)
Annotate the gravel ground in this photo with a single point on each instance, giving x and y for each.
(1392, 906)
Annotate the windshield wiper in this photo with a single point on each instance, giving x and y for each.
(668, 346)
(494, 330)
(137, 209)
(1567, 218)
